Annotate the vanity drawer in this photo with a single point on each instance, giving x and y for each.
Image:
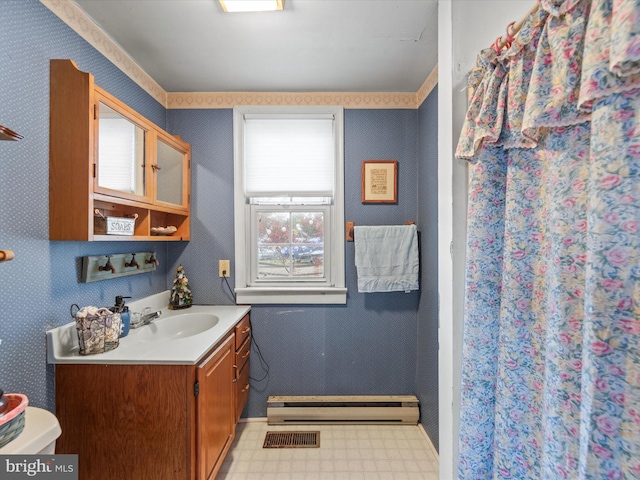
(242, 355)
(243, 330)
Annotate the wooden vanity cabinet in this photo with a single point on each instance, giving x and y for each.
(107, 160)
(133, 422)
(150, 422)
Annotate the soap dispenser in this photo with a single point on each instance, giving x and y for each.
(123, 310)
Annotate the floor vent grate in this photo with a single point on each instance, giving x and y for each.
(292, 440)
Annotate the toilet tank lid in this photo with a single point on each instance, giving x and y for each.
(40, 429)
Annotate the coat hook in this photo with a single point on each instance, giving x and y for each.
(152, 259)
(107, 266)
(6, 255)
(133, 262)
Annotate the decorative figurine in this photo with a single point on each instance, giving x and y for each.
(180, 292)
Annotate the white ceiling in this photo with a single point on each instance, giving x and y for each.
(311, 46)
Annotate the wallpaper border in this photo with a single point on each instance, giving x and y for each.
(71, 14)
(345, 99)
(426, 88)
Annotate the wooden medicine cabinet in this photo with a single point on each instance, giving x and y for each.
(106, 160)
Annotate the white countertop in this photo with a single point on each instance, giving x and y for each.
(62, 342)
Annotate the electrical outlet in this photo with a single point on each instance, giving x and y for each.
(224, 268)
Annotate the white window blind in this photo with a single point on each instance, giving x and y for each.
(117, 154)
(289, 156)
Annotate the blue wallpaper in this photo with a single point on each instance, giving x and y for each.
(210, 133)
(43, 281)
(376, 344)
(427, 366)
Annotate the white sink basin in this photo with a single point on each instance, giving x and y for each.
(178, 337)
(178, 326)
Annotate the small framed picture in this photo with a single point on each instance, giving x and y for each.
(380, 181)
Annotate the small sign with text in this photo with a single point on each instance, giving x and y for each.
(50, 467)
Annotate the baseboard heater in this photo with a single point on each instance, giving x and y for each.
(368, 409)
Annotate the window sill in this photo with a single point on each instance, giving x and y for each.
(291, 295)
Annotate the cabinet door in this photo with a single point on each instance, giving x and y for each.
(242, 390)
(215, 408)
(171, 170)
(121, 150)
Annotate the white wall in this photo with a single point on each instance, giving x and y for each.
(464, 28)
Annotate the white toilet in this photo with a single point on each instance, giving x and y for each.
(41, 430)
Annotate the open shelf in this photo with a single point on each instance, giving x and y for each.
(146, 216)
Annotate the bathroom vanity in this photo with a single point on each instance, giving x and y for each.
(163, 405)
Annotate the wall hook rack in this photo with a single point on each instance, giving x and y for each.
(118, 265)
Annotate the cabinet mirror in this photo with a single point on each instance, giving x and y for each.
(121, 152)
(169, 171)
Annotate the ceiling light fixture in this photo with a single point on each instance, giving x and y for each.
(251, 5)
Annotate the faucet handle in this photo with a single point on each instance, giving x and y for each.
(152, 259)
(135, 319)
(133, 262)
(107, 266)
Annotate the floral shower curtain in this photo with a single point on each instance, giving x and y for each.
(551, 355)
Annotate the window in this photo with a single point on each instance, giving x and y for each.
(289, 205)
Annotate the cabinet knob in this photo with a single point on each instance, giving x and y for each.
(246, 330)
(246, 387)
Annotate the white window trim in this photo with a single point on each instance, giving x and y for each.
(336, 292)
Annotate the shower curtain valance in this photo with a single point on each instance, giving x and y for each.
(566, 55)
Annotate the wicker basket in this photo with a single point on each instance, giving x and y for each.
(98, 329)
(12, 422)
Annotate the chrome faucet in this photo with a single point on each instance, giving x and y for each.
(146, 319)
(150, 317)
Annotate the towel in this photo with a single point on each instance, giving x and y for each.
(387, 258)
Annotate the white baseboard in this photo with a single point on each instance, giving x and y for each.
(253, 419)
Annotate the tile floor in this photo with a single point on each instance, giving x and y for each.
(347, 452)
